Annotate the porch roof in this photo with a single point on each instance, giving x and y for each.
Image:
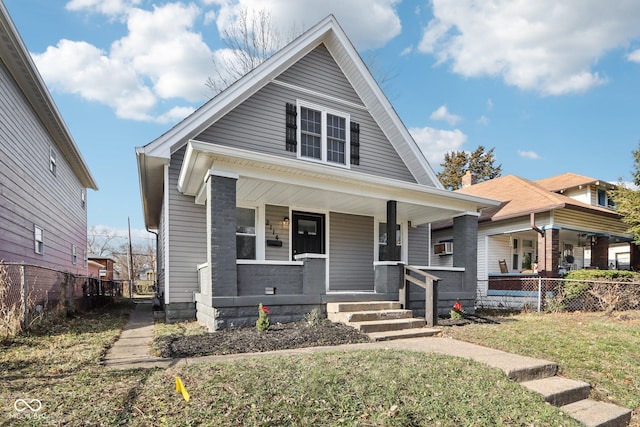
(292, 182)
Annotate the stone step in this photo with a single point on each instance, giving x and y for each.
(365, 316)
(592, 413)
(387, 325)
(338, 307)
(404, 333)
(559, 391)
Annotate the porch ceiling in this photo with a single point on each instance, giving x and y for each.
(308, 185)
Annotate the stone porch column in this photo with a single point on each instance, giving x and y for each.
(465, 248)
(221, 233)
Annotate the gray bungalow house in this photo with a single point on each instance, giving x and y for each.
(43, 177)
(284, 189)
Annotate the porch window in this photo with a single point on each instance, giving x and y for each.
(382, 239)
(53, 161)
(245, 233)
(323, 135)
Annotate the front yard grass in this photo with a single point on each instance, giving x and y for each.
(59, 366)
(603, 351)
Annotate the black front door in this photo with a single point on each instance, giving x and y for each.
(307, 233)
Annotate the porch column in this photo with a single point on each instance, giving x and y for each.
(550, 255)
(393, 251)
(634, 253)
(221, 233)
(600, 253)
(465, 249)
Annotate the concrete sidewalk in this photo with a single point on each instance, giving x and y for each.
(133, 350)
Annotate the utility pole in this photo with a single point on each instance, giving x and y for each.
(130, 261)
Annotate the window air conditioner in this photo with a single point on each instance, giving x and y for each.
(445, 248)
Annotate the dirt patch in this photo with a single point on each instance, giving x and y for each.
(249, 340)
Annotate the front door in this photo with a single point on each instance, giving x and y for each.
(307, 233)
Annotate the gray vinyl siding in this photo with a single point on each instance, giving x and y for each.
(31, 195)
(419, 245)
(161, 256)
(258, 124)
(274, 216)
(350, 252)
(331, 80)
(187, 237)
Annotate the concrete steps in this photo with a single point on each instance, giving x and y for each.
(572, 397)
(381, 320)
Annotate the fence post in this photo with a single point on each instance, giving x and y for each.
(25, 296)
(539, 294)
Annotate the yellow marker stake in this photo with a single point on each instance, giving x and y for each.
(180, 387)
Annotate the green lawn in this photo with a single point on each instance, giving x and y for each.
(59, 366)
(603, 351)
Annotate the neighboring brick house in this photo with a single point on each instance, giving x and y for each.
(296, 186)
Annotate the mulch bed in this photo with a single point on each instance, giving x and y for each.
(249, 340)
(280, 336)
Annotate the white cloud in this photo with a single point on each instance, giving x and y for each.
(489, 104)
(483, 120)
(634, 56)
(106, 7)
(529, 155)
(435, 143)
(443, 114)
(160, 58)
(368, 23)
(544, 45)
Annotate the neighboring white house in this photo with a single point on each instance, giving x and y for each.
(283, 189)
(545, 227)
(43, 177)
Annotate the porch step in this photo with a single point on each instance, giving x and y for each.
(388, 325)
(592, 413)
(381, 320)
(404, 333)
(367, 316)
(559, 391)
(341, 307)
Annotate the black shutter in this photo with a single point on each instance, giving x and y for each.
(355, 143)
(291, 127)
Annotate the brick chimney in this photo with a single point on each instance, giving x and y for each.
(467, 179)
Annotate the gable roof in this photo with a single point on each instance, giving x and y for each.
(16, 57)
(328, 32)
(568, 180)
(154, 155)
(519, 197)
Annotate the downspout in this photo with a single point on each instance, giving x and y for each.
(157, 301)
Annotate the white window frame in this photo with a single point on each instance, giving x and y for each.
(255, 231)
(53, 161)
(74, 254)
(83, 198)
(38, 244)
(323, 138)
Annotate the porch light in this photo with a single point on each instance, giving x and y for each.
(286, 220)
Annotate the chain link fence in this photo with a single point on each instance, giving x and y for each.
(556, 295)
(30, 292)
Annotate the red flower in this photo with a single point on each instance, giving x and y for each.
(457, 307)
(266, 309)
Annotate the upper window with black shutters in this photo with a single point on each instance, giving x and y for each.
(321, 134)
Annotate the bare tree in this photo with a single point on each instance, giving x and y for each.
(101, 241)
(250, 41)
(253, 38)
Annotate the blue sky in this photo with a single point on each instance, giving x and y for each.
(552, 87)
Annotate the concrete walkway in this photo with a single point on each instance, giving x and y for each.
(133, 350)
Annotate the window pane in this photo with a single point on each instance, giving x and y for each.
(310, 121)
(335, 151)
(245, 247)
(306, 226)
(383, 234)
(310, 146)
(245, 221)
(335, 138)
